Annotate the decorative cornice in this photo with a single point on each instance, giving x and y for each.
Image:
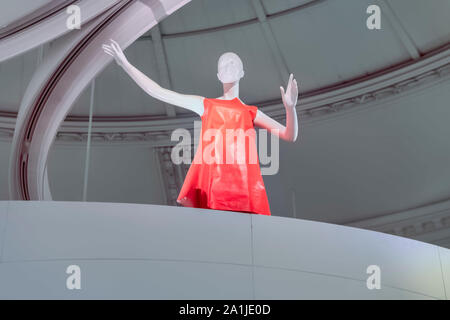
(6, 133)
(317, 112)
(380, 94)
(172, 176)
(312, 106)
(430, 223)
(144, 136)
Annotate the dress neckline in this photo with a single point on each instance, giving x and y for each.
(226, 99)
(235, 98)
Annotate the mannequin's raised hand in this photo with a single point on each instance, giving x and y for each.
(290, 96)
(114, 50)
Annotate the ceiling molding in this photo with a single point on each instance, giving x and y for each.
(157, 132)
(433, 64)
(317, 106)
(429, 223)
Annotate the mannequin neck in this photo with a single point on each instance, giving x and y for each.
(231, 90)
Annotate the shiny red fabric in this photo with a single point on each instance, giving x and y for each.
(221, 184)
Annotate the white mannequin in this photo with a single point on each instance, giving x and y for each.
(230, 71)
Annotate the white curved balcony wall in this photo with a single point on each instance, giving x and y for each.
(144, 251)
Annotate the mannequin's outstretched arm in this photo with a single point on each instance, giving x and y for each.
(290, 131)
(191, 102)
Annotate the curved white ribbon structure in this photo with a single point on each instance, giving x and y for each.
(67, 69)
(46, 24)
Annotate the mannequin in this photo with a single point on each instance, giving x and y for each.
(230, 71)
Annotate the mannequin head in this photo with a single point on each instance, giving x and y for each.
(230, 68)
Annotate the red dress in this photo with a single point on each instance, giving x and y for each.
(228, 176)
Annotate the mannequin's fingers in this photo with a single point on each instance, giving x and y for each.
(105, 47)
(116, 45)
(289, 86)
(296, 86)
(109, 52)
(113, 46)
(117, 51)
(282, 94)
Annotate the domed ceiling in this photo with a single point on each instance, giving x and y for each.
(273, 38)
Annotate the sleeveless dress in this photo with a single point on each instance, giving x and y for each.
(225, 173)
